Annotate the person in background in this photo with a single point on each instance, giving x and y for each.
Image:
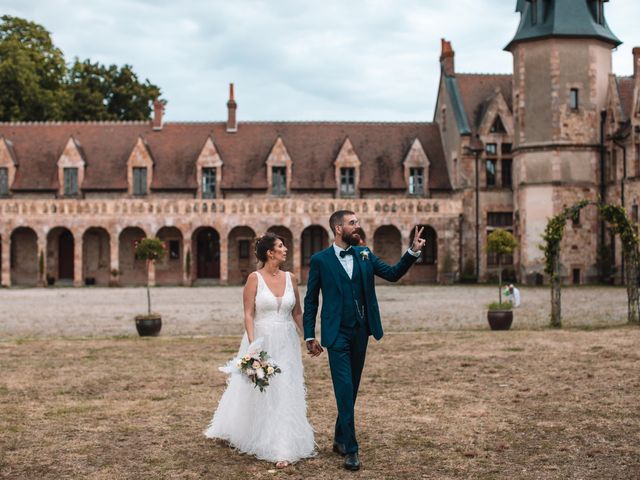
(513, 295)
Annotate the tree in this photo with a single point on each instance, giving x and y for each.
(151, 250)
(98, 92)
(501, 243)
(37, 85)
(32, 72)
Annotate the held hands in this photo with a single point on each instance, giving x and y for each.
(418, 241)
(314, 348)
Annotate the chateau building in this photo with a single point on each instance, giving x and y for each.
(506, 151)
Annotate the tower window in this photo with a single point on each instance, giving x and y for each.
(574, 99)
(491, 149)
(506, 173)
(534, 12)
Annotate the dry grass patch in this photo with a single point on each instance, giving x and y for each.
(470, 404)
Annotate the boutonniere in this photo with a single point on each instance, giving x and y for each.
(364, 255)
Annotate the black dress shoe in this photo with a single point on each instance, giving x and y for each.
(351, 461)
(339, 448)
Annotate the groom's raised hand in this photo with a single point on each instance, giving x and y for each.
(418, 241)
(314, 348)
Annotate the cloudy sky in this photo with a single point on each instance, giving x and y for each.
(296, 59)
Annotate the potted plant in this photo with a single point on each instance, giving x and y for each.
(500, 314)
(151, 250)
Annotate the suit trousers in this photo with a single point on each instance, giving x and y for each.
(346, 360)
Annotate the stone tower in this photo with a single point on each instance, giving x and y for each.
(561, 63)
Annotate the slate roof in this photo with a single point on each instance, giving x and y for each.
(313, 147)
(560, 18)
(470, 94)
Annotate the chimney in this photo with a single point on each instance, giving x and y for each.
(232, 124)
(636, 61)
(446, 59)
(158, 110)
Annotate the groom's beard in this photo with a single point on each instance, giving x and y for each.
(352, 238)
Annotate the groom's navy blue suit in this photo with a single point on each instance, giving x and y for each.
(349, 315)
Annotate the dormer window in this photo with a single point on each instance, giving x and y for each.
(497, 126)
(4, 182)
(347, 181)
(209, 182)
(279, 181)
(139, 180)
(70, 181)
(416, 181)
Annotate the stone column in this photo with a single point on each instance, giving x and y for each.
(187, 267)
(78, 251)
(114, 252)
(42, 250)
(6, 259)
(224, 258)
(297, 254)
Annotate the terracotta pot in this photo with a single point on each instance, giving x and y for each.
(500, 319)
(148, 325)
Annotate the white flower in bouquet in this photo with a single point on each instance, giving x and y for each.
(260, 373)
(270, 370)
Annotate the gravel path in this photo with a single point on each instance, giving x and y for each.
(88, 312)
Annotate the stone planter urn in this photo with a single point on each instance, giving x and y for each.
(500, 319)
(148, 325)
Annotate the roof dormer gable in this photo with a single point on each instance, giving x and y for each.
(209, 156)
(497, 118)
(8, 164)
(71, 169)
(140, 156)
(279, 156)
(72, 155)
(416, 157)
(347, 156)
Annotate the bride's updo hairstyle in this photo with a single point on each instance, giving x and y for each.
(264, 244)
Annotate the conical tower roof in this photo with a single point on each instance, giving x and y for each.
(562, 18)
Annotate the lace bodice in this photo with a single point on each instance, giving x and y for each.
(272, 308)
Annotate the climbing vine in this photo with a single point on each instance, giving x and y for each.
(621, 225)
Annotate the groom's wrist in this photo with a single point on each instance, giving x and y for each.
(309, 339)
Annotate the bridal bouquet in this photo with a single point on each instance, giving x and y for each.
(256, 366)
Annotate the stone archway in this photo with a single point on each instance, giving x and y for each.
(96, 256)
(133, 271)
(241, 258)
(314, 239)
(205, 245)
(425, 270)
(286, 234)
(169, 270)
(387, 245)
(24, 258)
(60, 256)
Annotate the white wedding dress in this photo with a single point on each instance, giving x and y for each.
(272, 425)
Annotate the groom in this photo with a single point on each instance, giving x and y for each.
(345, 275)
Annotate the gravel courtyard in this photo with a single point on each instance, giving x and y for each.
(99, 312)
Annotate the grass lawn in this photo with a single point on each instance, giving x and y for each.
(468, 404)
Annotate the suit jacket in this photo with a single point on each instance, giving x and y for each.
(324, 273)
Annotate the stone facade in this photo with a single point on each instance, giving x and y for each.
(502, 151)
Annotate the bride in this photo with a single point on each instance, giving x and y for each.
(272, 425)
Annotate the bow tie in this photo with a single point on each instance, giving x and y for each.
(349, 251)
